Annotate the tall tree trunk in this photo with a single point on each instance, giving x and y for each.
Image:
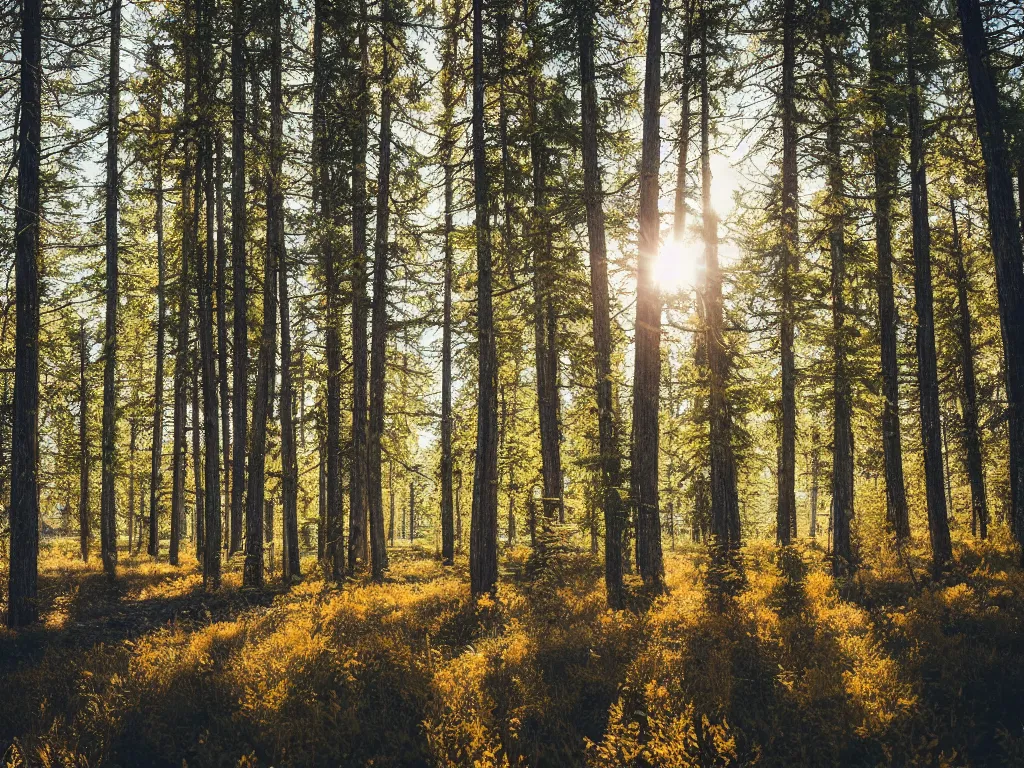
(483, 557)
(264, 396)
(321, 531)
(239, 300)
(207, 274)
(448, 76)
(133, 435)
(815, 473)
(108, 501)
(5, 416)
(412, 512)
(701, 489)
(186, 216)
(885, 151)
(503, 22)
(391, 503)
(1020, 193)
(593, 195)
(1006, 239)
(222, 336)
(325, 192)
(379, 320)
(969, 393)
(358, 500)
(22, 581)
(842, 428)
(181, 361)
(156, 455)
(198, 478)
(786, 513)
(725, 512)
(682, 166)
(647, 370)
(927, 365)
(544, 314)
(289, 462)
(83, 446)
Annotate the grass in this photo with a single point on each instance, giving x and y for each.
(893, 668)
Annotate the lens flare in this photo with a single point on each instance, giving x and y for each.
(676, 267)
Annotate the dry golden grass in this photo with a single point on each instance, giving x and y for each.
(785, 669)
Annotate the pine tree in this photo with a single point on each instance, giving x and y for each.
(24, 553)
(969, 391)
(108, 519)
(359, 462)
(483, 549)
(789, 221)
(725, 514)
(1005, 232)
(884, 150)
(379, 319)
(239, 302)
(927, 366)
(647, 366)
(593, 195)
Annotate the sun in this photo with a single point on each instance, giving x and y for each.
(676, 267)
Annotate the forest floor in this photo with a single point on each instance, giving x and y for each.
(784, 668)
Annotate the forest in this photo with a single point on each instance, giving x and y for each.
(512, 383)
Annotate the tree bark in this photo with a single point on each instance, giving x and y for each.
(181, 362)
(483, 557)
(321, 530)
(842, 428)
(391, 503)
(207, 272)
(927, 364)
(289, 460)
(108, 502)
(969, 392)
(1006, 239)
(325, 192)
(790, 221)
(198, 478)
(133, 435)
(252, 575)
(358, 499)
(885, 151)
(815, 473)
(239, 299)
(545, 323)
(593, 195)
(682, 166)
(199, 252)
(701, 489)
(412, 512)
(222, 335)
(448, 76)
(379, 320)
(22, 582)
(186, 216)
(647, 368)
(276, 243)
(83, 446)
(156, 456)
(1020, 193)
(725, 513)
(503, 23)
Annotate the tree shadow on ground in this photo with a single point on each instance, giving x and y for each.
(772, 666)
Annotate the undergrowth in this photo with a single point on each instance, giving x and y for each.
(784, 667)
